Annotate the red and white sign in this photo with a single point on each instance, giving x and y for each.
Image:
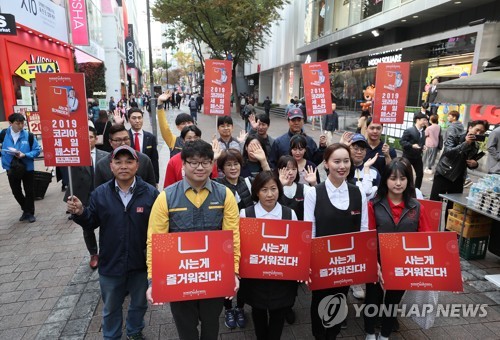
(34, 124)
(64, 120)
(433, 211)
(192, 265)
(420, 261)
(78, 22)
(275, 249)
(344, 260)
(217, 94)
(317, 88)
(392, 89)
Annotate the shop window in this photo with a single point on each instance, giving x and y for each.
(25, 93)
(371, 7)
(318, 20)
(390, 4)
(340, 14)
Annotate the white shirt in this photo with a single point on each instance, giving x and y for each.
(274, 214)
(15, 135)
(92, 154)
(339, 197)
(291, 190)
(141, 138)
(73, 103)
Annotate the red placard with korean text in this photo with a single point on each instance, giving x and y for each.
(420, 261)
(63, 118)
(275, 249)
(343, 260)
(192, 265)
(34, 124)
(391, 85)
(217, 94)
(317, 89)
(433, 211)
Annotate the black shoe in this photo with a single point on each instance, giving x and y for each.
(343, 325)
(290, 316)
(395, 326)
(31, 218)
(23, 217)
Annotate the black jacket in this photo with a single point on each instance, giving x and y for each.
(150, 149)
(412, 136)
(452, 164)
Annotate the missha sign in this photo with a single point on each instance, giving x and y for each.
(78, 22)
(43, 16)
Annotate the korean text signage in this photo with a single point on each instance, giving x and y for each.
(63, 118)
(192, 265)
(317, 88)
(344, 260)
(275, 249)
(34, 124)
(7, 24)
(420, 261)
(217, 94)
(392, 89)
(78, 21)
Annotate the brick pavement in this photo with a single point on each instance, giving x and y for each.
(47, 290)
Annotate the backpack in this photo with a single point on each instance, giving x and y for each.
(31, 137)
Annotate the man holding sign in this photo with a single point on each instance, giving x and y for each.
(195, 204)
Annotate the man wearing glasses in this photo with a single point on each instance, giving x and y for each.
(119, 136)
(195, 204)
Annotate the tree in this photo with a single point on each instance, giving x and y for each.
(227, 27)
(94, 77)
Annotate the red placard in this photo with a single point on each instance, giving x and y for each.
(420, 261)
(63, 118)
(275, 249)
(34, 125)
(344, 260)
(78, 22)
(317, 88)
(217, 94)
(433, 211)
(192, 265)
(392, 81)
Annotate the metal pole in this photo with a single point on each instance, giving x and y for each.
(151, 79)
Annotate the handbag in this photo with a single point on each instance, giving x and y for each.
(17, 168)
(100, 138)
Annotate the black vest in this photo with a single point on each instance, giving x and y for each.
(408, 222)
(179, 144)
(333, 221)
(286, 213)
(296, 203)
(241, 188)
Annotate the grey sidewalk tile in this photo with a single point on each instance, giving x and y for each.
(52, 292)
(13, 333)
(7, 269)
(59, 315)
(72, 337)
(29, 284)
(168, 331)
(32, 306)
(458, 332)
(9, 286)
(31, 332)
(67, 301)
(76, 327)
(27, 275)
(50, 303)
(481, 332)
(50, 331)
(11, 321)
(31, 294)
(35, 318)
(493, 326)
(9, 297)
(483, 286)
(10, 308)
(4, 278)
(415, 334)
(495, 296)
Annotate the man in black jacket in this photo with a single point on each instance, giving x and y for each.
(413, 143)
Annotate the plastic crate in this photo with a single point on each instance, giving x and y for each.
(474, 248)
(42, 180)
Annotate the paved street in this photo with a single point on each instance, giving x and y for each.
(47, 290)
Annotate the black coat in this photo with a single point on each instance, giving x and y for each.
(412, 136)
(150, 149)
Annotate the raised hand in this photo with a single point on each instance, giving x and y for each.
(310, 175)
(216, 148)
(117, 117)
(284, 178)
(346, 138)
(253, 123)
(257, 152)
(369, 162)
(322, 140)
(242, 137)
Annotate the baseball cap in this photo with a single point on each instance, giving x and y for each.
(124, 149)
(359, 139)
(295, 113)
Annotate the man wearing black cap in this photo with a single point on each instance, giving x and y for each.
(121, 208)
(413, 144)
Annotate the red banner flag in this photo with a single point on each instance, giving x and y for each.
(217, 94)
(433, 211)
(420, 261)
(344, 260)
(317, 88)
(192, 265)
(64, 119)
(391, 91)
(275, 249)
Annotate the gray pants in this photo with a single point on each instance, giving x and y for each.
(430, 157)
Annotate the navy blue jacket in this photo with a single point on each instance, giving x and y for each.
(281, 147)
(123, 230)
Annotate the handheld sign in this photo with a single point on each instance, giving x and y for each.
(217, 94)
(317, 88)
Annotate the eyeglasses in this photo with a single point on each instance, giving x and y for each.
(356, 148)
(120, 140)
(195, 165)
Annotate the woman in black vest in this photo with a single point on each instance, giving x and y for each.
(393, 210)
(270, 299)
(335, 207)
(255, 158)
(230, 162)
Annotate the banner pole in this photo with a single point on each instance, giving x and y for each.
(70, 181)
(321, 124)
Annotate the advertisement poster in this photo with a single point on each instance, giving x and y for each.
(275, 249)
(317, 89)
(344, 260)
(63, 117)
(392, 81)
(34, 124)
(420, 261)
(433, 210)
(217, 94)
(192, 265)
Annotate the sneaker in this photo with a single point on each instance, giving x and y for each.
(136, 336)
(467, 183)
(239, 315)
(358, 292)
(31, 218)
(290, 316)
(229, 319)
(23, 217)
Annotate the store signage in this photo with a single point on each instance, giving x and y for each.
(7, 24)
(395, 58)
(420, 261)
(217, 94)
(78, 21)
(43, 16)
(130, 51)
(491, 113)
(317, 88)
(29, 71)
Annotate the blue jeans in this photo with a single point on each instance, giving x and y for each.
(114, 289)
(194, 114)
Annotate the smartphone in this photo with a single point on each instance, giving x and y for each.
(480, 138)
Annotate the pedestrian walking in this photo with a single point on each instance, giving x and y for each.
(413, 144)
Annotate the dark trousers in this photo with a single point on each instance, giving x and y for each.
(90, 241)
(188, 314)
(418, 166)
(268, 323)
(26, 200)
(318, 330)
(442, 185)
(375, 296)
(194, 114)
(240, 303)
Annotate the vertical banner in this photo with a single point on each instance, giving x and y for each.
(317, 88)
(275, 249)
(433, 210)
(192, 265)
(391, 82)
(78, 22)
(63, 118)
(217, 94)
(420, 261)
(344, 260)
